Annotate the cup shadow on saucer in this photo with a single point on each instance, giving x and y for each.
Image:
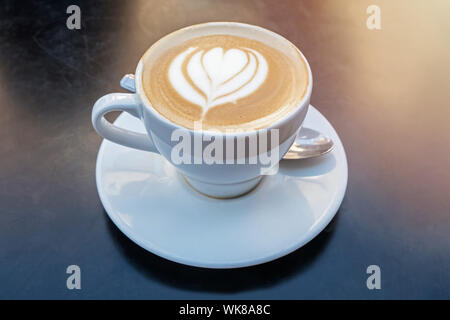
(239, 279)
(311, 167)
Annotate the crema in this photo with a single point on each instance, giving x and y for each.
(225, 82)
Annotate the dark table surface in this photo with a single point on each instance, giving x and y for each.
(387, 93)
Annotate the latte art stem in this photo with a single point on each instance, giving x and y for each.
(209, 78)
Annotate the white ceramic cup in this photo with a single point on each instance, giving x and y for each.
(216, 180)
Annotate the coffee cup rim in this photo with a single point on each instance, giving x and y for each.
(277, 124)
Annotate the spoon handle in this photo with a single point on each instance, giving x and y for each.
(128, 82)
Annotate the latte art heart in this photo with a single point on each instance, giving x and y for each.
(224, 82)
(209, 78)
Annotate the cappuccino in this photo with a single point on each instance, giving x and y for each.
(225, 82)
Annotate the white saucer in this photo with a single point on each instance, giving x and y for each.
(153, 205)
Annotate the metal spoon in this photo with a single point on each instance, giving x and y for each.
(308, 144)
(127, 82)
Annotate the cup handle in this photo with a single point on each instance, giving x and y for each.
(120, 102)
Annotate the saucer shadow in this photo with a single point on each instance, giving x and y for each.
(220, 280)
(308, 167)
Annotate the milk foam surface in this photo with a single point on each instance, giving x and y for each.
(220, 76)
(225, 82)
